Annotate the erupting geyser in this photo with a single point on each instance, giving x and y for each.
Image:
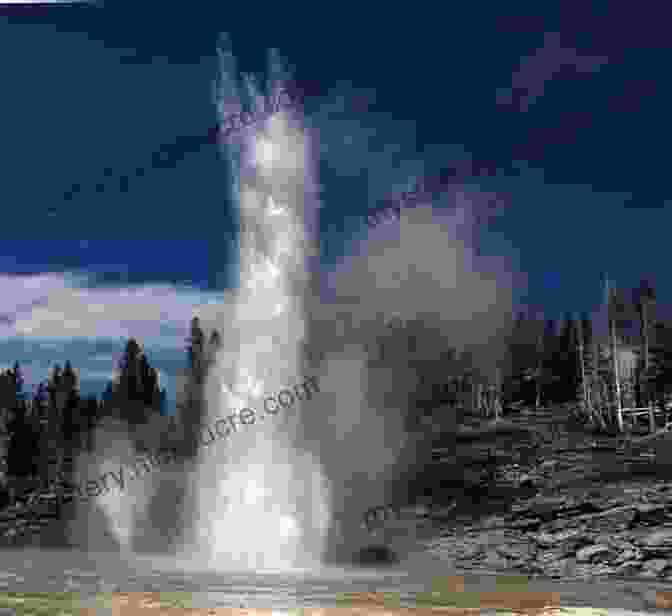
(261, 502)
(289, 490)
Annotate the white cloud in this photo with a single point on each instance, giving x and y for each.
(73, 321)
(154, 314)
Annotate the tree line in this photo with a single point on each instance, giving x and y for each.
(546, 363)
(57, 421)
(551, 363)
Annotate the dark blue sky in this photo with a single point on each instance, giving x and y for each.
(568, 101)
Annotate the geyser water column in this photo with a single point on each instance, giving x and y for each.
(260, 502)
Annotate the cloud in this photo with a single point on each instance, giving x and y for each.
(543, 65)
(54, 317)
(61, 307)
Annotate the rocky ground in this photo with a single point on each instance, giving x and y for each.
(561, 503)
(25, 522)
(593, 508)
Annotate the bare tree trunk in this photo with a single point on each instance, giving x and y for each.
(497, 401)
(594, 394)
(644, 327)
(584, 389)
(540, 365)
(619, 409)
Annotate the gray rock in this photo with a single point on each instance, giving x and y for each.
(544, 539)
(551, 539)
(514, 553)
(547, 557)
(562, 568)
(587, 571)
(658, 538)
(591, 552)
(647, 573)
(630, 553)
(525, 523)
(648, 507)
(658, 565)
(494, 561)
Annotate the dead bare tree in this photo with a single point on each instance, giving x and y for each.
(645, 296)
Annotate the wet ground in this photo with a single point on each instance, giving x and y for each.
(104, 580)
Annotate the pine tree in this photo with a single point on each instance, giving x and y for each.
(549, 362)
(54, 388)
(193, 414)
(7, 391)
(56, 375)
(147, 381)
(128, 396)
(129, 377)
(56, 415)
(90, 415)
(524, 357)
(149, 384)
(196, 349)
(57, 399)
(214, 345)
(41, 400)
(71, 411)
(91, 411)
(41, 413)
(216, 340)
(22, 453)
(17, 376)
(69, 377)
(515, 351)
(620, 308)
(568, 360)
(153, 383)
